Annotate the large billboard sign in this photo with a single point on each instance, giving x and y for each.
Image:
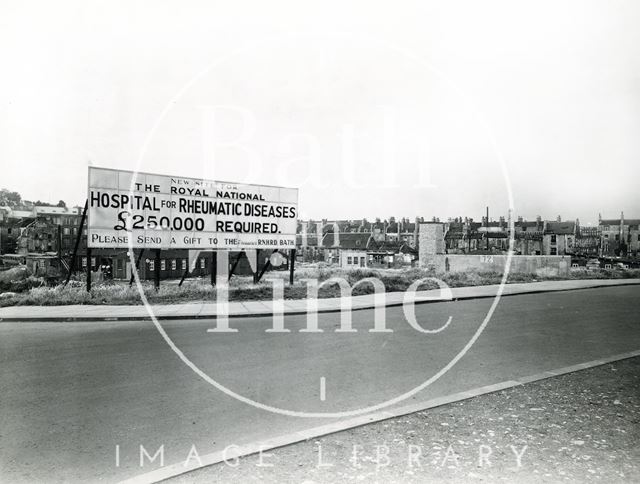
(144, 210)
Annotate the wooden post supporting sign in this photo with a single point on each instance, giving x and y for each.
(256, 277)
(78, 237)
(214, 267)
(157, 270)
(89, 269)
(292, 263)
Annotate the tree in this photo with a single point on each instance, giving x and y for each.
(10, 199)
(62, 204)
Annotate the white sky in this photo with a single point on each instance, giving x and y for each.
(557, 84)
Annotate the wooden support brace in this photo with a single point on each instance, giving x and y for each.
(77, 244)
(137, 266)
(186, 273)
(235, 265)
(266, 266)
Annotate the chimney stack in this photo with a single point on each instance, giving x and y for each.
(336, 234)
(319, 233)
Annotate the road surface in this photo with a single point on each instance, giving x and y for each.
(71, 392)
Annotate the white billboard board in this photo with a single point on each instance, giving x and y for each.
(175, 212)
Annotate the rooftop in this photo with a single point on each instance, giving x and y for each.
(560, 228)
(348, 240)
(616, 221)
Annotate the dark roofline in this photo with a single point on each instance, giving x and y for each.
(616, 221)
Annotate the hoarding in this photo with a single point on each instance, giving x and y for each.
(144, 210)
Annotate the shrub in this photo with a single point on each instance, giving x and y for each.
(356, 275)
(33, 290)
(22, 285)
(10, 278)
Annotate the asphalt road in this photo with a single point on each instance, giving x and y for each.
(71, 392)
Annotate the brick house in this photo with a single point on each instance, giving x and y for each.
(558, 238)
(335, 243)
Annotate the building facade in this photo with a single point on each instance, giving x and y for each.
(619, 237)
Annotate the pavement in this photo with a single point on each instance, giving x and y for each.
(580, 427)
(202, 310)
(80, 401)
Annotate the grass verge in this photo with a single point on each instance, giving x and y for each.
(243, 289)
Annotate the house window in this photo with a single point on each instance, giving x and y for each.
(201, 263)
(66, 231)
(152, 265)
(553, 239)
(173, 264)
(84, 262)
(163, 265)
(184, 264)
(93, 262)
(349, 260)
(361, 261)
(554, 251)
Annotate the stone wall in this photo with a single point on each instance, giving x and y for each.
(432, 257)
(430, 243)
(541, 265)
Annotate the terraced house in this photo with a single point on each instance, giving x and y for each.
(619, 237)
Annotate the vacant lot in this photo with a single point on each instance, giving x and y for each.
(242, 288)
